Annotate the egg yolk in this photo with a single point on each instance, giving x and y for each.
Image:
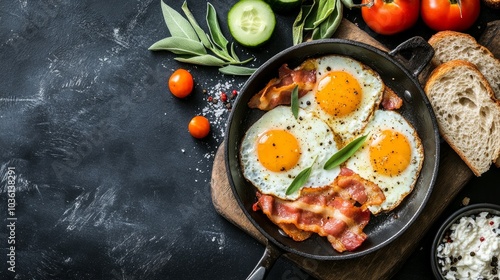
(390, 153)
(339, 93)
(278, 150)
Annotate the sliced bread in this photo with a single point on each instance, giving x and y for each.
(452, 45)
(467, 113)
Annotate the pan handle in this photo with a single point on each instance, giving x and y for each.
(271, 254)
(419, 52)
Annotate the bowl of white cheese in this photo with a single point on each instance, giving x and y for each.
(467, 245)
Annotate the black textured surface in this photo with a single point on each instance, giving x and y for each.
(109, 184)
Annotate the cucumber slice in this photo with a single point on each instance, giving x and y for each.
(284, 6)
(251, 22)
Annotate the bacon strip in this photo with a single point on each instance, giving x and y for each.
(278, 90)
(329, 211)
(390, 100)
(350, 185)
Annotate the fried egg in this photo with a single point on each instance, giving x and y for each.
(347, 93)
(277, 147)
(391, 157)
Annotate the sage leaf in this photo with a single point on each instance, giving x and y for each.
(206, 60)
(300, 180)
(298, 24)
(245, 61)
(233, 53)
(294, 104)
(311, 17)
(223, 54)
(192, 43)
(197, 28)
(177, 24)
(214, 28)
(327, 28)
(237, 70)
(341, 156)
(325, 8)
(179, 45)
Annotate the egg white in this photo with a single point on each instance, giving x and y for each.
(395, 188)
(349, 126)
(316, 143)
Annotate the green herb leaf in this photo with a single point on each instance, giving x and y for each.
(311, 17)
(300, 180)
(199, 31)
(177, 24)
(298, 24)
(325, 8)
(320, 20)
(339, 157)
(328, 27)
(206, 60)
(245, 61)
(191, 42)
(214, 28)
(294, 98)
(237, 70)
(179, 45)
(223, 54)
(233, 53)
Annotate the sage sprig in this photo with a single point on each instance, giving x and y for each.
(341, 156)
(195, 46)
(300, 179)
(319, 19)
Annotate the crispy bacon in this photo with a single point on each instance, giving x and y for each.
(330, 211)
(390, 100)
(278, 90)
(350, 185)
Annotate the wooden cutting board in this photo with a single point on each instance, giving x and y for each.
(382, 264)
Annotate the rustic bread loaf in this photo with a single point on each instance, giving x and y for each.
(451, 45)
(467, 113)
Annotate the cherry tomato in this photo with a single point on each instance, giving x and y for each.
(448, 15)
(199, 127)
(389, 17)
(181, 83)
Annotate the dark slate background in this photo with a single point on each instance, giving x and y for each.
(109, 184)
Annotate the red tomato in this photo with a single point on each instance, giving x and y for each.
(448, 15)
(181, 83)
(199, 127)
(389, 17)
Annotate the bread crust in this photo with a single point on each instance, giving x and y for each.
(444, 44)
(443, 68)
(435, 76)
(441, 35)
